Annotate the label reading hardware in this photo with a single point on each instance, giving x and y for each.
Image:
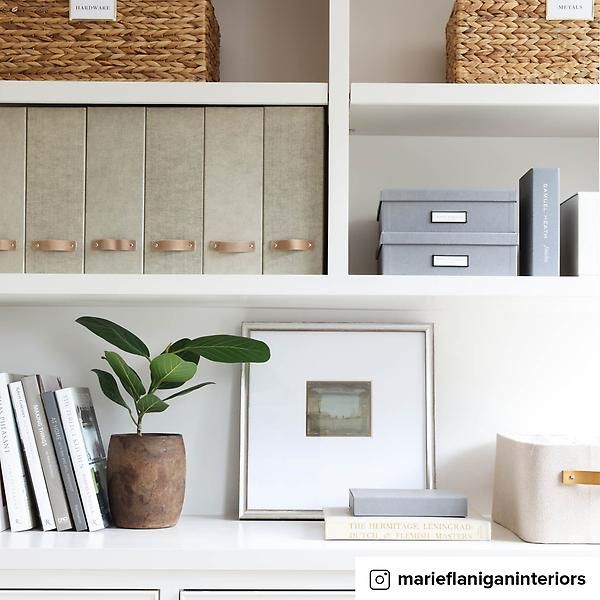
(448, 216)
(450, 261)
(569, 10)
(92, 10)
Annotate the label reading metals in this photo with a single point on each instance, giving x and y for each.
(569, 10)
(93, 10)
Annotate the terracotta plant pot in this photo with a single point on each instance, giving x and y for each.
(146, 480)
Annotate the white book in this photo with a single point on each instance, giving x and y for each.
(34, 464)
(70, 402)
(340, 524)
(580, 235)
(19, 502)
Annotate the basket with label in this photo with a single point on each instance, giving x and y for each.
(521, 41)
(150, 40)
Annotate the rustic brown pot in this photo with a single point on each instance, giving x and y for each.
(146, 480)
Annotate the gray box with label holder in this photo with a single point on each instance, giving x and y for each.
(407, 503)
(448, 253)
(446, 210)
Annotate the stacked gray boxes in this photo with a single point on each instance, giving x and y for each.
(448, 232)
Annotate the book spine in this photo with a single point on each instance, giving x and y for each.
(588, 225)
(461, 530)
(4, 523)
(16, 488)
(41, 432)
(31, 455)
(83, 472)
(64, 460)
(545, 222)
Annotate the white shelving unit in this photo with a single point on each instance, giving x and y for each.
(395, 119)
(359, 292)
(224, 545)
(145, 93)
(481, 110)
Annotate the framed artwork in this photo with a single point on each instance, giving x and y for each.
(338, 406)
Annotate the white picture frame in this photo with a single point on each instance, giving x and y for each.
(286, 472)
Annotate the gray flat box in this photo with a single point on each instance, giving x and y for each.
(448, 254)
(407, 503)
(449, 211)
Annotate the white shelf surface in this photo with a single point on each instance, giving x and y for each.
(277, 291)
(148, 93)
(481, 110)
(215, 544)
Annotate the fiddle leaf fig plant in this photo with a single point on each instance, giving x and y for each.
(172, 368)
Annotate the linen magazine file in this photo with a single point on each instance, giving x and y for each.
(233, 190)
(294, 196)
(12, 176)
(55, 189)
(174, 190)
(114, 204)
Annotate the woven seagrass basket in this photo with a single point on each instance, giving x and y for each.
(510, 41)
(151, 40)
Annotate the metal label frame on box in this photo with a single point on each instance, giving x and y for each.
(310, 428)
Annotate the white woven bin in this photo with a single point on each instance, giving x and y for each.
(547, 488)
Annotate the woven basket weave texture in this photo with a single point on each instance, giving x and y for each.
(151, 40)
(510, 41)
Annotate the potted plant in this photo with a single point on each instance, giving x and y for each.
(146, 471)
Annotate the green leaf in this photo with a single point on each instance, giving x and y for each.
(116, 335)
(180, 348)
(170, 369)
(150, 404)
(110, 388)
(127, 376)
(229, 349)
(190, 389)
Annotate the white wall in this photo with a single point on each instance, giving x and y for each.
(399, 40)
(273, 40)
(378, 163)
(500, 366)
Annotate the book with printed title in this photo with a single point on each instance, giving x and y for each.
(341, 525)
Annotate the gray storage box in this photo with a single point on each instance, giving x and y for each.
(407, 503)
(448, 254)
(449, 210)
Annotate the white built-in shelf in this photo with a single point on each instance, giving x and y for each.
(142, 92)
(201, 544)
(291, 291)
(486, 110)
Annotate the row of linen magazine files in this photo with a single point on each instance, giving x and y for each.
(162, 189)
(52, 457)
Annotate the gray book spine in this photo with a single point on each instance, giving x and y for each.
(33, 386)
(539, 201)
(64, 460)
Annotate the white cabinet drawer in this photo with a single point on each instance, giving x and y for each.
(259, 595)
(77, 595)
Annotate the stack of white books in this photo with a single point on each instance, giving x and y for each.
(51, 457)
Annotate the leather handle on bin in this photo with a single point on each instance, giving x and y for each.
(54, 245)
(581, 477)
(114, 245)
(232, 247)
(8, 245)
(174, 245)
(292, 245)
